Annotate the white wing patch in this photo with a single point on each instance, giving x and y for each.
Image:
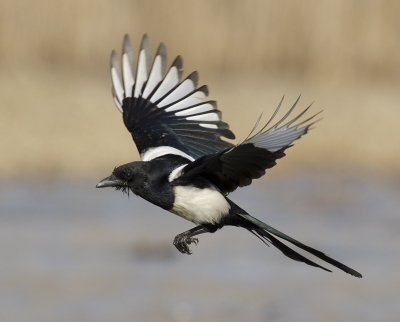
(176, 173)
(153, 153)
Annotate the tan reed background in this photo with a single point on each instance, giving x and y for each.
(58, 119)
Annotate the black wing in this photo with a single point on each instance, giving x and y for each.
(238, 166)
(164, 114)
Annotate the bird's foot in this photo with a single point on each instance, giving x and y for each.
(182, 242)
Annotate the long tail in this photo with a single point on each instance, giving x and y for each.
(265, 232)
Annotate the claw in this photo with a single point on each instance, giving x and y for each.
(182, 243)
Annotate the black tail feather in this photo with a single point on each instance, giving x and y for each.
(262, 234)
(265, 231)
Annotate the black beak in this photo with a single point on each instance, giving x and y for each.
(110, 181)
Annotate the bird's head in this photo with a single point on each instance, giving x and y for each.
(122, 178)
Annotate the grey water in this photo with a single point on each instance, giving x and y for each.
(70, 252)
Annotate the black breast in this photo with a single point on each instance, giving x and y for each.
(151, 180)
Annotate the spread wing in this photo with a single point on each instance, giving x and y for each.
(238, 166)
(164, 114)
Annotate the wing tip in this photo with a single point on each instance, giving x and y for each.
(127, 44)
(146, 46)
(178, 63)
(194, 77)
(204, 89)
(162, 52)
(145, 39)
(113, 59)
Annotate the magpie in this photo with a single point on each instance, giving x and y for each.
(186, 168)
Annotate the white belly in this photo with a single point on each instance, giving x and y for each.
(199, 205)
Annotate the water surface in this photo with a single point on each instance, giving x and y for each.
(70, 252)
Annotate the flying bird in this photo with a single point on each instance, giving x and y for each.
(186, 168)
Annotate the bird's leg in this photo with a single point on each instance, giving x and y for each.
(182, 241)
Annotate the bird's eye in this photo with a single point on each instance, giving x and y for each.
(128, 174)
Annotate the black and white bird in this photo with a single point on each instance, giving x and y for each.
(186, 167)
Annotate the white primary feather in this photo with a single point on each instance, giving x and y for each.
(117, 103)
(116, 77)
(157, 70)
(155, 77)
(129, 81)
(204, 117)
(196, 109)
(184, 88)
(141, 76)
(193, 99)
(170, 81)
(210, 126)
(128, 64)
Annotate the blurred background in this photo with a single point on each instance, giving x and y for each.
(71, 252)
